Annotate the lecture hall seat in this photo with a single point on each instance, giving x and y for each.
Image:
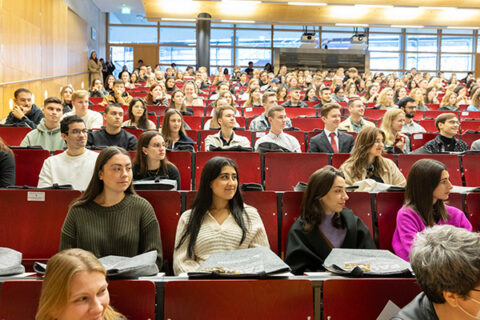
(472, 207)
(299, 135)
(293, 112)
(418, 140)
(451, 161)
(471, 169)
(307, 124)
(28, 164)
(32, 221)
(19, 298)
(284, 170)
(248, 164)
(387, 205)
(280, 299)
(374, 293)
(183, 161)
(266, 204)
(205, 133)
(13, 136)
(167, 207)
(470, 137)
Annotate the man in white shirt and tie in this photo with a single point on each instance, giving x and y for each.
(278, 120)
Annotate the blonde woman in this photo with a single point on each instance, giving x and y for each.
(75, 287)
(366, 161)
(392, 125)
(254, 99)
(66, 93)
(190, 90)
(449, 102)
(386, 99)
(419, 97)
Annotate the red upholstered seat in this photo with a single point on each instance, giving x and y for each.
(471, 169)
(472, 207)
(387, 206)
(307, 124)
(239, 299)
(299, 112)
(28, 164)
(13, 136)
(451, 161)
(417, 140)
(365, 297)
(183, 162)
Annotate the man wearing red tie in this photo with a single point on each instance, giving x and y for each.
(331, 140)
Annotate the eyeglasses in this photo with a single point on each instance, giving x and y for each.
(78, 131)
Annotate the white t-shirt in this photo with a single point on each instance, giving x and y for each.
(65, 169)
(92, 119)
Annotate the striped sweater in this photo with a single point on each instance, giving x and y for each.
(127, 229)
(214, 237)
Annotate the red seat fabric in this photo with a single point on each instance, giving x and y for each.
(469, 115)
(28, 164)
(432, 114)
(374, 293)
(471, 169)
(134, 131)
(19, 298)
(417, 140)
(360, 204)
(183, 161)
(282, 169)
(300, 112)
(472, 207)
(167, 206)
(291, 203)
(13, 136)
(428, 125)
(239, 299)
(470, 137)
(451, 161)
(248, 164)
(195, 123)
(339, 158)
(159, 110)
(32, 221)
(307, 124)
(374, 114)
(387, 206)
(473, 125)
(252, 111)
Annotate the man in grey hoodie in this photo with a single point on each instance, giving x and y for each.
(47, 134)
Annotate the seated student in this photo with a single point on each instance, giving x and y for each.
(222, 87)
(331, 140)
(447, 125)
(392, 124)
(24, 112)
(277, 119)
(428, 186)
(366, 161)
(137, 112)
(119, 94)
(449, 102)
(475, 103)
(409, 106)
(294, 101)
(226, 137)
(254, 99)
(385, 99)
(445, 261)
(173, 131)
(325, 97)
(355, 122)
(371, 94)
(325, 223)
(47, 133)
(156, 96)
(151, 160)
(419, 97)
(310, 95)
(109, 218)
(66, 98)
(97, 89)
(125, 78)
(261, 123)
(75, 287)
(92, 119)
(218, 221)
(7, 166)
(190, 90)
(112, 134)
(339, 95)
(178, 103)
(75, 165)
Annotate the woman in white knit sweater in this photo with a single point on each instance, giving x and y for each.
(218, 220)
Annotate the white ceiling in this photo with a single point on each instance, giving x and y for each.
(116, 5)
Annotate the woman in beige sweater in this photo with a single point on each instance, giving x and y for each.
(94, 68)
(366, 161)
(218, 221)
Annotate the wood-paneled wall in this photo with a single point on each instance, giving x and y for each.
(39, 39)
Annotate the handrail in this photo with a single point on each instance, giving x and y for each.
(45, 78)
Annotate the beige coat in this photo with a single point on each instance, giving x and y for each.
(94, 70)
(392, 175)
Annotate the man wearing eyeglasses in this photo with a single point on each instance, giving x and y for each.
(409, 106)
(75, 165)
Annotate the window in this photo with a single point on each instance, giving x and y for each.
(178, 36)
(288, 39)
(421, 30)
(132, 34)
(425, 43)
(336, 40)
(384, 42)
(253, 38)
(115, 18)
(421, 61)
(221, 56)
(457, 44)
(122, 56)
(456, 62)
(221, 37)
(260, 57)
(385, 60)
(179, 55)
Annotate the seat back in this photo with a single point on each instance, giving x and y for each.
(417, 140)
(374, 293)
(472, 207)
(28, 164)
(32, 221)
(307, 124)
(246, 299)
(167, 207)
(19, 298)
(300, 112)
(451, 161)
(471, 169)
(291, 203)
(473, 125)
(360, 204)
(470, 137)
(282, 171)
(339, 158)
(13, 136)
(183, 161)
(248, 164)
(387, 206)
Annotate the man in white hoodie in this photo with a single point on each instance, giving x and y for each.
(47, 133)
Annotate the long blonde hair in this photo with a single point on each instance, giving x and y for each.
(58, 279)
(355, 166)
(382, 99)
(413, 94)
(387, 121)
(446, 100)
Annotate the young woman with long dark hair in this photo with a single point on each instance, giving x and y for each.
(137, 112)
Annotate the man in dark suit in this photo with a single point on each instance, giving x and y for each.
(331, 140)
